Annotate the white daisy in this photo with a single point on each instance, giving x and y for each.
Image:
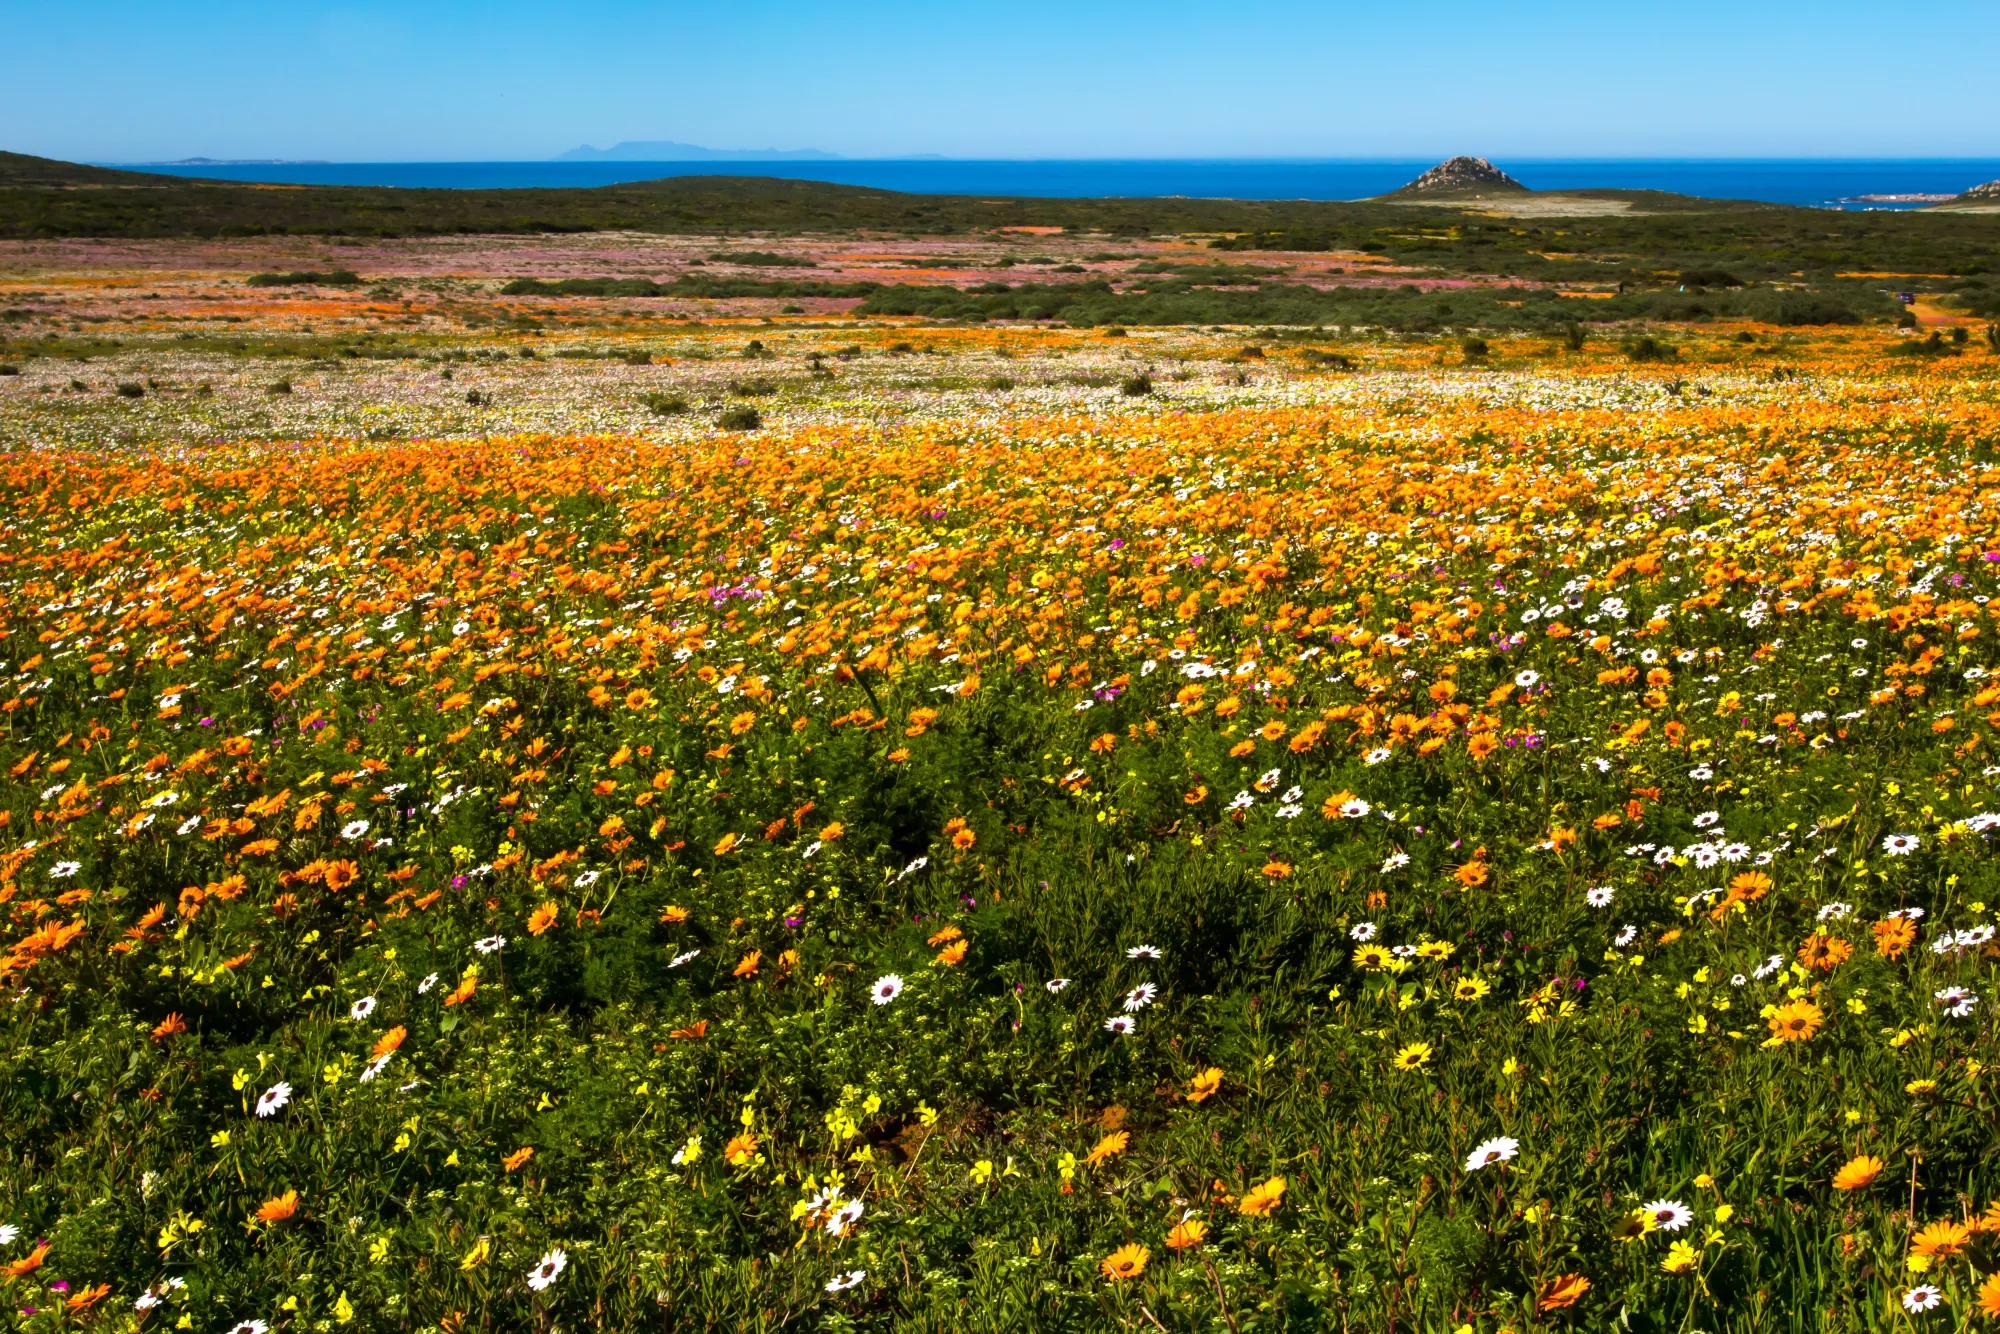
(1958, 1002)
(842, 1282)
(1669, 1215)
(1056, 984)
(843, 1219)
(1499, 1149)
(489, 944)
(545, 1273)
(274, 1098)
(362, 1008)
(1921, 1298)
(1145, 952)
(1899, 845)
(887, 987)
(1600, 897)
(1119, 1024)
(1139, 997)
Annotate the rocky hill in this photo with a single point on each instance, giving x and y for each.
(1988, 193)
(1461, 176)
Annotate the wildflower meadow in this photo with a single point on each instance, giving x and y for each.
(1181, 838)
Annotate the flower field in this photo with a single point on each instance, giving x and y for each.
(1431, 848)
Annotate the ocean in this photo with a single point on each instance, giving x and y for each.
(1811, 182)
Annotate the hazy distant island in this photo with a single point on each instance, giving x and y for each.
(666, 150)
(235, 162)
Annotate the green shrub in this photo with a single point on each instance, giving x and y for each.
(1646, 348)
(305, 278)
(1138, 386)
(1931, 345)
(743, 417)
(765, 259)
(664, 405)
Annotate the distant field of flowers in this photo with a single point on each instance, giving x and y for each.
(1413, 848)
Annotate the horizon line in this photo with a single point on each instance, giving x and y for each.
(203, 159)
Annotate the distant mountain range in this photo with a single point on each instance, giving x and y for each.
(666, 150)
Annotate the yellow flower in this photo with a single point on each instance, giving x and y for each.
(1189, 1232)
(1681, 1257)
(1203, 1086)
(1414, 1055)
(1795, 1021)
(278, 1208)
(1857, 1172)
(1128, 1261)
(1263, 1198)
(1108, 1148)
(1943, 1238)
(1633, 1226)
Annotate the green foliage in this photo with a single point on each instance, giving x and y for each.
(1648, 348)
(305, 278)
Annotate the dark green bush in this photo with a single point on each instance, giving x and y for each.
(740, 418)
(305, 278)
(1646, 348)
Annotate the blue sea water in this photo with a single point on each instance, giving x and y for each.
(1812, 182)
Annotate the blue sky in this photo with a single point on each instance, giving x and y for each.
(429, 80)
